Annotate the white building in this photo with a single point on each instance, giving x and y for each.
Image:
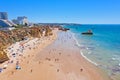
(21, 20)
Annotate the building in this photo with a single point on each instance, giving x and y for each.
(6, 25)
(21, 20)
(15, 21)
(4, 15)
(4, 22)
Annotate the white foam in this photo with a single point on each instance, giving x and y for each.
(73, 35)
(88, 59)
(119, 64)
(113, 59)
(89, 52)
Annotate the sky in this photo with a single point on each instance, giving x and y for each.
(64, 11)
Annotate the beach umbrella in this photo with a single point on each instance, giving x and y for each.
(5, 66)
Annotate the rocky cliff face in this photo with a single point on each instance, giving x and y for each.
(9, 37)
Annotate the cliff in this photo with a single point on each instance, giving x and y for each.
(9, 37)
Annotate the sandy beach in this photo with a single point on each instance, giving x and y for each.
(56, 58)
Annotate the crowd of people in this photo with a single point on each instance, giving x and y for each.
(17, 51)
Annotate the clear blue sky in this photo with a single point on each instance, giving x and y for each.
(64, 11)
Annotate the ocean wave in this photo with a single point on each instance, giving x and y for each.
(88, 59)
(76, 41)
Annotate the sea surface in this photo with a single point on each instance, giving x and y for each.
(102, 48)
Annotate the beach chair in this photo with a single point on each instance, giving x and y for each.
(18, 67)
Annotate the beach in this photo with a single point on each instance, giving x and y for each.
(56, 58)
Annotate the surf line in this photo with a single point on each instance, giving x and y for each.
(88, 59)
(73, 35)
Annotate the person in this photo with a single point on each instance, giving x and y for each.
(57, 70)
(1, 70)
(31, 70)
(81, 70)
(17, 63)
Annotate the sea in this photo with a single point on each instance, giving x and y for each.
(102, 48)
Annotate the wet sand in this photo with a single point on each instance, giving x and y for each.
(60, 60)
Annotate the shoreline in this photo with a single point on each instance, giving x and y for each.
(81, 53)
(95, 65)
(60, 60)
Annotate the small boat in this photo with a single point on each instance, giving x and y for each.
(89, 32)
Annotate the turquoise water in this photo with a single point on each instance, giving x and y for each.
(103, 48)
